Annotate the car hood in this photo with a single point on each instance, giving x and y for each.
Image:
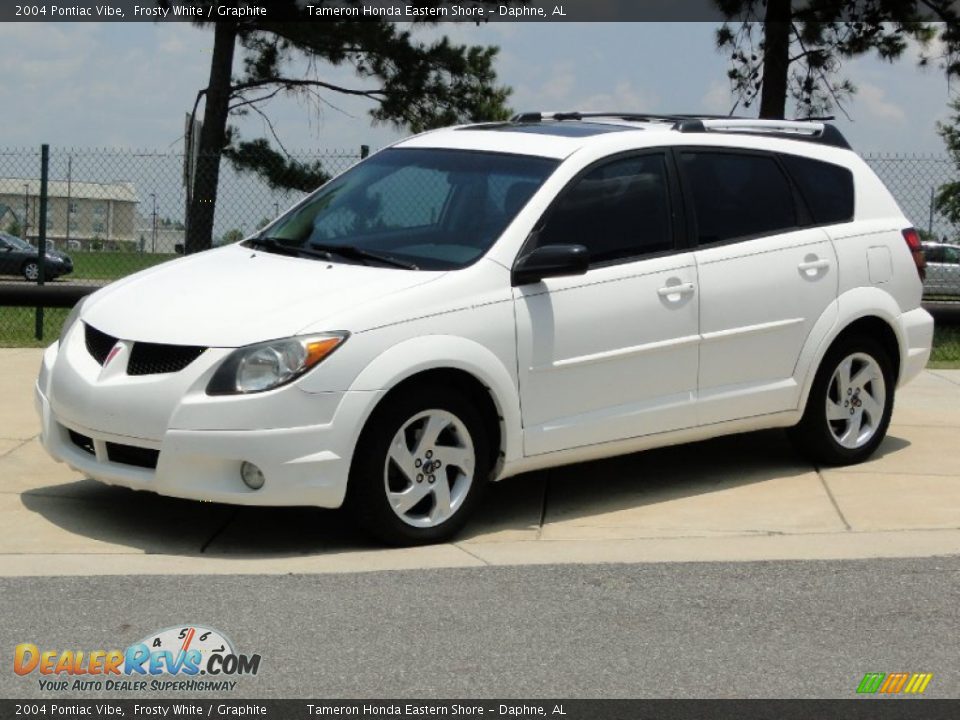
(236, 296)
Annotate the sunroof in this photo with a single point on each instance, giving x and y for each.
(565, 128)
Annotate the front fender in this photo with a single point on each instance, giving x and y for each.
(434, 352)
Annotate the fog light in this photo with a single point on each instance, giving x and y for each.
(252, 476)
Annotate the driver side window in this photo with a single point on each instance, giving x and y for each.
(618, 210)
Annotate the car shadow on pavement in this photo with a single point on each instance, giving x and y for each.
(707, 480)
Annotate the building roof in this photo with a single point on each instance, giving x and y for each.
(121, 192)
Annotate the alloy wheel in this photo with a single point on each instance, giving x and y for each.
(856, 400)
(429, 468)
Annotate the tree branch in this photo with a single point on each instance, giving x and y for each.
(288, 83)
(823, 77)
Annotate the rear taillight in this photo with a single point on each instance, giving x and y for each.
(916, 250)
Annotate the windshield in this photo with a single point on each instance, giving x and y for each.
(429, 208)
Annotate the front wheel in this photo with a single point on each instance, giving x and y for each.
(850, 403)
(419, 467)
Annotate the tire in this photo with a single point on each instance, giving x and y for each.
(850, 403)
(432, 504)
(30, 271)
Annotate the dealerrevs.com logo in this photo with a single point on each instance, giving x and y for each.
(184, 658)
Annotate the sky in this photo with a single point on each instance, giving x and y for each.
(128, 85)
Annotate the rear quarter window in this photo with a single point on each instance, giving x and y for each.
(826, 188)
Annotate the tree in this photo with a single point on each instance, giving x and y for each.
(413, 84)
(231, 236)
(794, 49)
(14, 227)
(947, 199)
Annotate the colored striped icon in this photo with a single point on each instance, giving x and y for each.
(894, 683)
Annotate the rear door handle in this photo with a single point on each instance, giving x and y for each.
(682, 289)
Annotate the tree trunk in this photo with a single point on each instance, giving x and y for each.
(776, 59)
(203, 199)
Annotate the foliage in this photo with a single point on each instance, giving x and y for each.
(947, 199)
(231, 236)
(794, 49)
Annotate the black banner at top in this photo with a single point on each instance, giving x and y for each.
(475, 11)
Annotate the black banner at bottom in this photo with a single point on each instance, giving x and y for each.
(854, 709)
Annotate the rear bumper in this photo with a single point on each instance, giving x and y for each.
(916, 332)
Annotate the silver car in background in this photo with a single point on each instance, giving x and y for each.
(943, 269)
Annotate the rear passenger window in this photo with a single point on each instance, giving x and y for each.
(826, 188)
(617, 210)
(737, 196)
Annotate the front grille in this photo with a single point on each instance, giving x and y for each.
(145, 358)
(153, 358)
(132, 455)
(99, 344)
(81, 441)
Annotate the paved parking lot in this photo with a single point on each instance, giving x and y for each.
(746, 497)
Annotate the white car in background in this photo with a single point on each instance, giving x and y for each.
(481, 301)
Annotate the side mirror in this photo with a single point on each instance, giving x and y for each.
(550, 261)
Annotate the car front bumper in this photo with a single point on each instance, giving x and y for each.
(197, 452)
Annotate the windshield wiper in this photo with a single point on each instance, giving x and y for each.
(351, 251)
(271, 245)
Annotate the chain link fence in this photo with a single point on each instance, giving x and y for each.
(111, 213)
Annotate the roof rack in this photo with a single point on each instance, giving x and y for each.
(814, 131)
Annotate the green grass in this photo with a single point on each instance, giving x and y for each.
(946, 347)
(17, 326)
(111, 265)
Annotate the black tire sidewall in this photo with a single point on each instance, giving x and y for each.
(366, 495)
(814, 429)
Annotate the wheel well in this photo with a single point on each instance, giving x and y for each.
(469, 385)
(879, 330)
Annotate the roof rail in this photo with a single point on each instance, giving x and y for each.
(808, 130)
(531, 117)
(817, 132)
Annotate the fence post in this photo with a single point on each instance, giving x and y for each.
(42, 235)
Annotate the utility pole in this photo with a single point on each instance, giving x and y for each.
(26, 211)
(69, 181)
(153, 244)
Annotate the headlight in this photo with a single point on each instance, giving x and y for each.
(71, 319)
(271, 364)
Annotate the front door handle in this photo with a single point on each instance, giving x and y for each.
(818, 264)
(681, 289)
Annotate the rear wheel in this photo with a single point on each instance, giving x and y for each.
(420, 466)
(850, 403)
